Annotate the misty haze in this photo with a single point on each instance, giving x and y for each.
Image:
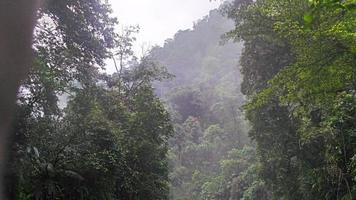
(178, 100)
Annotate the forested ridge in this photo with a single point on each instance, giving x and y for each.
(204, 100)
(256, 102)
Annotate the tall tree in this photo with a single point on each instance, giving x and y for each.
(109, 137)
(295, 93)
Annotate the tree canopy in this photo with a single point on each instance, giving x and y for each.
(256, 102)
(298, 65)
(81, 133)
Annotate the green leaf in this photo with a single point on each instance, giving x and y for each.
(308, 18)
(351, 6)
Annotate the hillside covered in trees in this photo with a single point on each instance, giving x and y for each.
(256, 102)
(204, 100)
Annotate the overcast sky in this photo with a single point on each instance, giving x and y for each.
(160, 19)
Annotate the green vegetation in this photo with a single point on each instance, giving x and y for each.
(299, 75)
(111, 138)
(208, 150)
(269, 117)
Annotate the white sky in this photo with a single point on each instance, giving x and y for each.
(160, 19)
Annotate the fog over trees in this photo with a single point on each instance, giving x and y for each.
(204, 100)
(256, 102)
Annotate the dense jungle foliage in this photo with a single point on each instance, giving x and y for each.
(108, 137)
(298, 67)
(298, 74)
(256, 102)
(204, 100)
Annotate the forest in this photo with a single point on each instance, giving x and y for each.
(256, 102)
